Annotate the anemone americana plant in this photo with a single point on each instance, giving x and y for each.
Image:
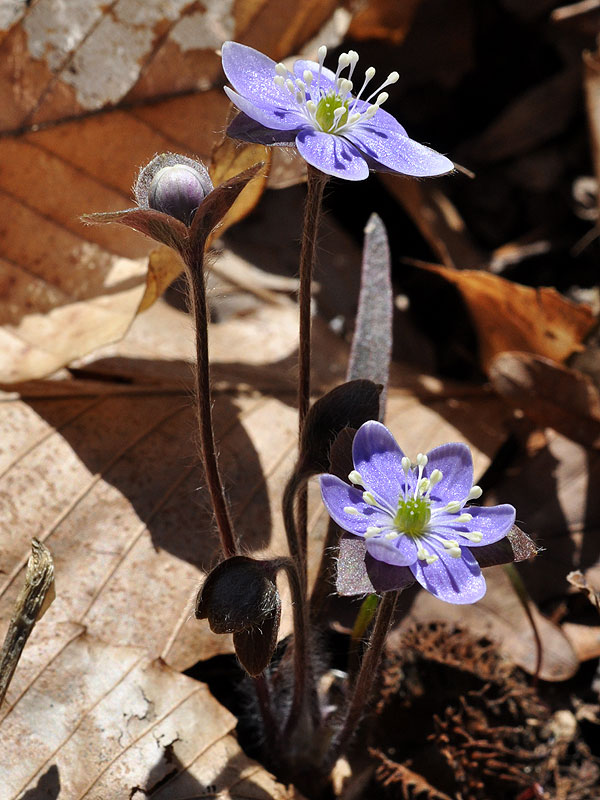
(403, 521)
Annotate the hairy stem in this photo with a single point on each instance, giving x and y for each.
(297, 552)
(366, 678)
(262, 688)
(326, 574)
(195, 275)
(312, 215)
(304, 681)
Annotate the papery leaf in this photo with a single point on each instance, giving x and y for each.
(550, 394)
(126, 725)
(372, 341)
(508, 316)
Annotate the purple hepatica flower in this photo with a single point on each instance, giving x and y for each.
(313, 109)
(414, 516)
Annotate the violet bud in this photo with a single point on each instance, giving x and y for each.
(177, 190)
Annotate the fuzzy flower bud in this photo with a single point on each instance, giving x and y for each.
(178, 190)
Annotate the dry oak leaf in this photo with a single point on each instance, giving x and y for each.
(102, 722)
(90, 92)
(508, 316)
(501, 617)
(107, 475)
(550, 394)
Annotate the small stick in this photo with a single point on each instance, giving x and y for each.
(35, 597)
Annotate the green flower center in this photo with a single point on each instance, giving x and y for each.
(325, 116)
(412, 516)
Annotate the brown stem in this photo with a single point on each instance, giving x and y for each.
(304, 682)
(366, 678)
(312, 215)
(290, 493)
(263, 695)
(195, 273)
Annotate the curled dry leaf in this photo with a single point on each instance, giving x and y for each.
(102, 721)
(508, 316)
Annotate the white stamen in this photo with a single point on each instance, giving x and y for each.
(308, 77)
(289, 85)
(351, 510)
(343, 62)
(353, 118)
(391, 78)
(381, 99)
(421, 553)
(300, 97)
(311, 107)
(321, 53)
(369, 499)
(281, 70)
(279, 81)
(453, 507)
(464, 518)
(422, 460)
(372, 531)
(354, 476)
(449, 544)
(353, 58)
(454, 552)
(392, 535)
(474, 536)
(406, 465)
(345, 86)
(475, 493)
(431, 559)
(424, 486)
(436, 476)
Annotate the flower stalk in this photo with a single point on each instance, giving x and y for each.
(194, 261)
(316, 181)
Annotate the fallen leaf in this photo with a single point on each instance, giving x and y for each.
(508, 316)
(500, 617)
(101, 721)
(550, 394)
(74, 135)
(384, 19)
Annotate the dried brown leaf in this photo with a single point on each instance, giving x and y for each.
(550, 394)
(508, 316)
(102, 722)
(74, 134)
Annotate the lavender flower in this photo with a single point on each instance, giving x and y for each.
(414, 516)
(314, 109)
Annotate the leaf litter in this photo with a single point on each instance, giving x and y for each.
(99, 460)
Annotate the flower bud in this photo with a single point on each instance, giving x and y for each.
(177, 190)
(240, 596)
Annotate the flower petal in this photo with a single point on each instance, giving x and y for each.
(397, 152)
(338, 495)
(247, 129)
(494, 522)
(381, 118)
(278, 118)
(401, 552)
(455, 462)
(378, 459)
(332, 155)
(252, 74)
(454, 580)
